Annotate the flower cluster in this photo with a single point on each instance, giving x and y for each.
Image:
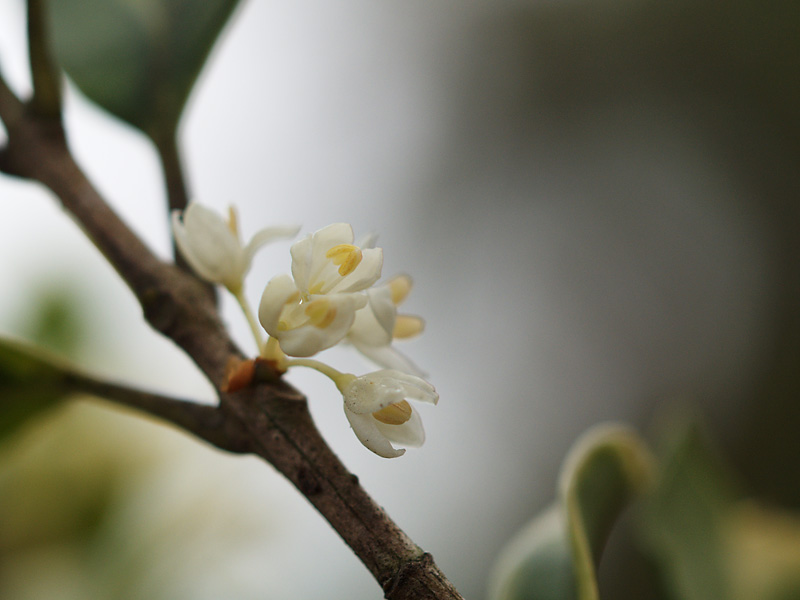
(331, 297)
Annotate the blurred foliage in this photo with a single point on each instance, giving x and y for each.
(138, 59)
(98, 503)
(555, 556)
(31, 380)
(683, 518)
(705, 541)
(56, 320)
(29, 384)
(708, 541)
(58, 486)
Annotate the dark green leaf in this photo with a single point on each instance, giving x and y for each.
(138, 59)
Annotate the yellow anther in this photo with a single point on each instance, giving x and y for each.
(233, 222)
(316, 288)
(320, 313)
(394, 414)
(407, 326)
(338, 254)
(346, 256)
(400, 287)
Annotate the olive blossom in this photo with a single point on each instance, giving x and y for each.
(212, 246)
(377, 407)
(314, 308)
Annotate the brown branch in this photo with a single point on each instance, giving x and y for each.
(273, 416)
(206, 422)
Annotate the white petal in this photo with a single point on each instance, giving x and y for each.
(207, 244)
(330, 236)
(388, 357)
(366, 429)
(301, 261)
(414, 387)
(307, 340)
(320, 272)
(308, 254)
(265, 236)
(278, 292)
(366, 396)
(410, 434)
(210, 232)
(186, 244)
(375, 391)
(375, 322)
(181, 235)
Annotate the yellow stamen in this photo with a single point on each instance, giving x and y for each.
(316, 288)
(320, 313)
(233, 222)
(346, 256)
(394, 414)
(407, 326)
(400, 287)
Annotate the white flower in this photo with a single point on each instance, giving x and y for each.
(378, 323)
(212, 246)
(377, 407)
(315, 309)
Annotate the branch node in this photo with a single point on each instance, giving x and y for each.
(408, 576)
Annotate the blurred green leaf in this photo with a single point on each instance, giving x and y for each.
(29, 383)
(555, 556)
(56, 319)
(708, 543)
(684, 517)
(138, 59)
(32, 380)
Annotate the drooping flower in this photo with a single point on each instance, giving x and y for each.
(377, 407)
(314, 309)
(212, 246)
(378, 324)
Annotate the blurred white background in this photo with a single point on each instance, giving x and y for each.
(573, 267)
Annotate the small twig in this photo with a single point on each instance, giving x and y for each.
(46, 100)
(209, 423)
(11, 109)
(169, 153)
